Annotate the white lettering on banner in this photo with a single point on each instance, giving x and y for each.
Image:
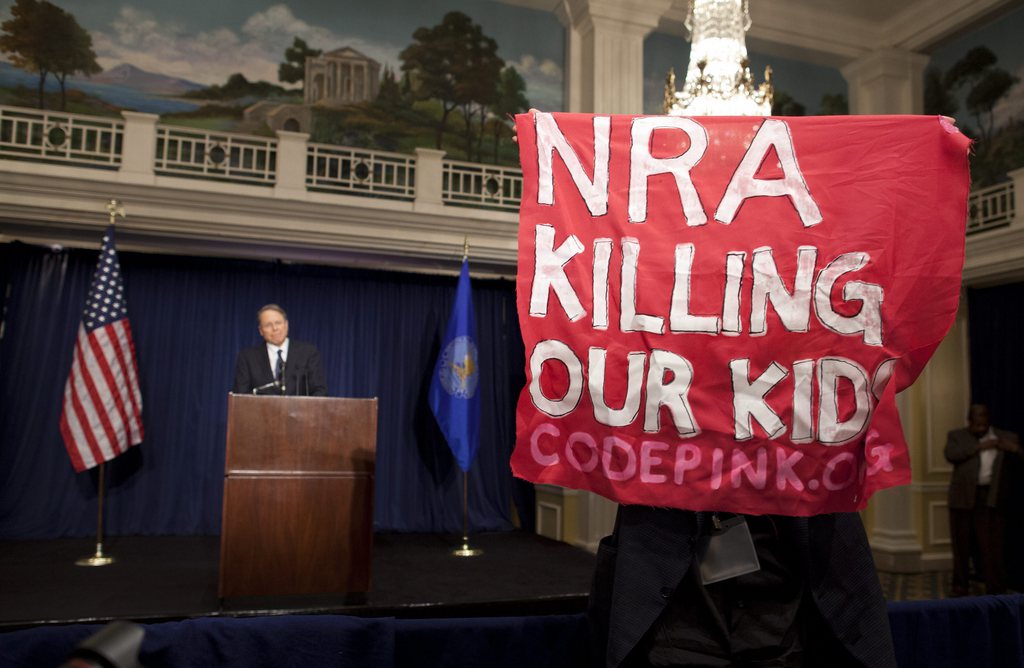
(545, 351)
(773, 134)
(629, 319)
(748, 399)
(643, 165)
(731, 301)
(680, 319)
(794, 309)
(669, 378)
(671, 394)
(802, 430)
(777, 406)
(550, 140)
(602, 258)
(615, 417)
(832, 430)
(549, 274)
(869, 319)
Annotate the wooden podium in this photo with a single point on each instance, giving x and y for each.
(298, 496)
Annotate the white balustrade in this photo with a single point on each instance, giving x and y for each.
(141, 149)
(356, 171)
(991, 207)
(53, 136)
(488, 186)
(222, 156)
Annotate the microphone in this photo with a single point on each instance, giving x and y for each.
(284, 376)
(257, 390)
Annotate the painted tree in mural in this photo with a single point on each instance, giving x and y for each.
(390, 94)
(983, 84)
(509, 101)
(455, 64)
(476, 89)
(833, 104)
(293, 69)
(784, 104)
(42, 38)
(75, 55)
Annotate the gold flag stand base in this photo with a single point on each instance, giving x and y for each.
(466, 550)
(98, 559)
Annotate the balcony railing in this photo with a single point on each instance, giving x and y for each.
(139, 145)
(355, 171)
(473, 184)
(50, 136)
(991, 207)
(221, 156)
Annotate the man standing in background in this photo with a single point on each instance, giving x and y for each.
(281, 365)
(977, 497)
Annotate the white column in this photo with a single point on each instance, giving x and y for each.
(138, 148)
(572, 70)
(429, 180)
(291, 164)
(604, 68)
(887, 81)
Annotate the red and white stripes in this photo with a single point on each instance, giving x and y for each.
(102, 410)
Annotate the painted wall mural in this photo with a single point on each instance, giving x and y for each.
(391, 75)
(397, 74)
(978, 77)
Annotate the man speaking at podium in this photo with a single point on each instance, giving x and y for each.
(281, 365)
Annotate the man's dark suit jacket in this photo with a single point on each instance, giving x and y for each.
(962, 452)
(303, 372)
(642, 563)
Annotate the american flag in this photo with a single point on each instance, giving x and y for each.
(102, 415)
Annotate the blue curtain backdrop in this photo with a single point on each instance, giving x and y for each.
(378, 334)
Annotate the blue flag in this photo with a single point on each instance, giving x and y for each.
(454, 389)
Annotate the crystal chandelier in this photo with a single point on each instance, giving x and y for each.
(718, 80)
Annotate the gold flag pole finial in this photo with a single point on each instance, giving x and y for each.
(465, 248)
(115, 209)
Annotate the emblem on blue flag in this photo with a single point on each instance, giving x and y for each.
(453, 397)
(457, 370)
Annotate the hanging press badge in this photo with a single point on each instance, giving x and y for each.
(728, 551)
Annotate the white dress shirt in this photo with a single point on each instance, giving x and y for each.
(272, 354)
(988, 459)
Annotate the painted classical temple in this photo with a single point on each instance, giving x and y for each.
(340, 77)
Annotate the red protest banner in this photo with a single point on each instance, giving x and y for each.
(718, 312)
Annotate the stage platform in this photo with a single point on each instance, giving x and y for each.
(163, 578)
